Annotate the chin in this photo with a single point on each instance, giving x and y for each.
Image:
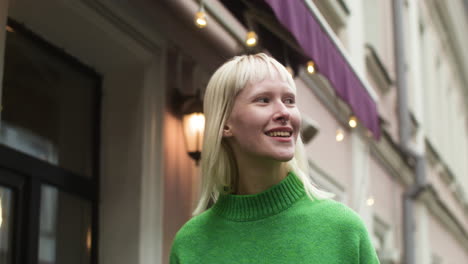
(283, 158)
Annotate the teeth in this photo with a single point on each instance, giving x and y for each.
(279, 134)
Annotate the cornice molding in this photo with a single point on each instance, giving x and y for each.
(447, 177)
(440, 211)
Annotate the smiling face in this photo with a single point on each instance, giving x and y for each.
(264, 122)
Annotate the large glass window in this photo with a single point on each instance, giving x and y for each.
(48, 105)
(65, 228)
(48, 154)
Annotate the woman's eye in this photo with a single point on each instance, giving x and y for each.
(262, 100)
(289, 101)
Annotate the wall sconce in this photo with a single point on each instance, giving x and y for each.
(193, 122)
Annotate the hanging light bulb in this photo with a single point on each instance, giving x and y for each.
(200, 18)
(352, 121)
(311, 67)
(251, 39)
(339, 135)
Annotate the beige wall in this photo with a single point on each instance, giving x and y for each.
(330, 155)
(443, 243)
(180, 181)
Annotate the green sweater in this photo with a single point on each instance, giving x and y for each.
(279, 225)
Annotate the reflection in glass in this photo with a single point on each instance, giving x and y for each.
(65, 228)
(6, 225)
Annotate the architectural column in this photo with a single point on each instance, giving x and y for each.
(152, 173)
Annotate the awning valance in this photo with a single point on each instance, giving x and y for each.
(316, 43)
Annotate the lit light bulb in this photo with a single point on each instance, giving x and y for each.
(251, 39)
(352, 122)
(197, 122)
(311, 67)
(339, 135)
(200, 19)
(370, 201)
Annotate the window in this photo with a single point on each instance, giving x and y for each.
(48, 105)
(336, 13)
(48, 154)
(377, 30)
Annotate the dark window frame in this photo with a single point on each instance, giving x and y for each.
(26, 174)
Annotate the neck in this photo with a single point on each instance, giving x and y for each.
(255, 176)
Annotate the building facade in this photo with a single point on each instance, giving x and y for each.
(93, 163)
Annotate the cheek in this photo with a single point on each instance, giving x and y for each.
(296, 119)
(245, 121)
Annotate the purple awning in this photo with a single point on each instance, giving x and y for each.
(297, 18)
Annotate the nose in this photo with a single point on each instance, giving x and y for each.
(281, 114)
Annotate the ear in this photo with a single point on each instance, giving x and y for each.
(227, 132)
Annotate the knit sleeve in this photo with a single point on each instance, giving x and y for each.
(173, 258)
(367, 254)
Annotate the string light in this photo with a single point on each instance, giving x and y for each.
(339, 135)
(311, 67)
(251, 39)
(200, 17)
(370, 201)
(352, 122)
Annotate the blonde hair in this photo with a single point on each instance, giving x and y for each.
(218, 166)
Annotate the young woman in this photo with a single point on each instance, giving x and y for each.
(266, 210)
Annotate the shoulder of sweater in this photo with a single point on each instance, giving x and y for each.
(193, 226)
(337, 214)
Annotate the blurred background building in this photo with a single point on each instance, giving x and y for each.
(96, 132)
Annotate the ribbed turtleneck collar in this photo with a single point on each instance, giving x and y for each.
(257, 206)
